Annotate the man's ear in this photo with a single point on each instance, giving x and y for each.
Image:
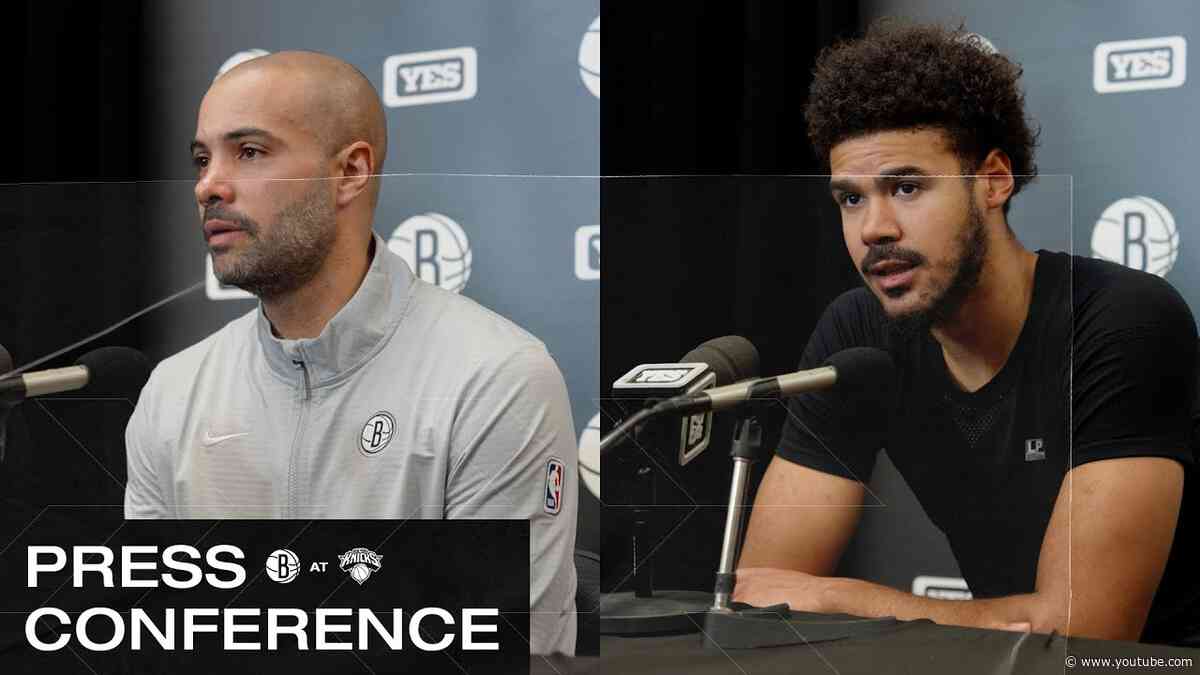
(355, 163)
(995, 174)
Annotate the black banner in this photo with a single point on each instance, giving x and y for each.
(298, 596)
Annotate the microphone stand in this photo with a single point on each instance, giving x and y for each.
(747, 441)
(730, 625)
(645, 610)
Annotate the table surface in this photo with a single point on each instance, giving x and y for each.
(919, 647)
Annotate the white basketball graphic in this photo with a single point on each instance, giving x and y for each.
(238, 59)
(283, 566)
(436, 250)
(983, 44)
(1138, 232)
(589, 58)
(589, 456)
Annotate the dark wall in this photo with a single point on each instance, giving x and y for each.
(716, 90)
(72, 249)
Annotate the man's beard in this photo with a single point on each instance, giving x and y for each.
(973, 248)
(288, 255)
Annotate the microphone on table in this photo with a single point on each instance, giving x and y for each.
(119, 371)
(716, 362)
(644, 609)
(852, 367)
(115, 370)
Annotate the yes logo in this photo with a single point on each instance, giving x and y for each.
(421, 78)
(1133, 65)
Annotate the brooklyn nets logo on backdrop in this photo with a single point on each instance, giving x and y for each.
(980, 42)
(215, 290)
(941, 588)
(238, 59)
(589, 455)
(436, 250)
(1137, 232)
(589, 58)
(587, 252)
(421, 78)
(1133, 65)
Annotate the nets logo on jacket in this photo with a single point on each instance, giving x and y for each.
(555, 474)
(377, 433)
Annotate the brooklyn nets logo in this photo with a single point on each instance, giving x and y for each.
(589, 58)
(359, 563)
(377, 433)
(283, 566)
(1137, 232)
(435, 248)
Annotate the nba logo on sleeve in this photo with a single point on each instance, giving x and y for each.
(554, 485)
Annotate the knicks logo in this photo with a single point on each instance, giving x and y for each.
(360, 563)
(555, 475)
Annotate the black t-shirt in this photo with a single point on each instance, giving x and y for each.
(1107, 357)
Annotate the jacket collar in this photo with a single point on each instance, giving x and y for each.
(355, 333)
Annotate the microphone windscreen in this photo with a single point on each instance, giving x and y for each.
(860, 368)
(118, 371)
(731, 357)
(6, 362)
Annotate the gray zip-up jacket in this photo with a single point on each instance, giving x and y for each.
(413, 402)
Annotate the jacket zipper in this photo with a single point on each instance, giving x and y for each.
(293, 461)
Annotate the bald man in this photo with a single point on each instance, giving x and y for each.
(354, 389)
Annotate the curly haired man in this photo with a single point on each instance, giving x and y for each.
(1041, 409)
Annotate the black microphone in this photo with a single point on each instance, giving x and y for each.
(849, 368)
(717, 362)
(120, 371)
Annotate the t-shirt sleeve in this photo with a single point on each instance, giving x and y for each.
(515, 456)
(1134, 374)
(836, 431)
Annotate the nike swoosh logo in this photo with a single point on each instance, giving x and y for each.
(213, 440)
